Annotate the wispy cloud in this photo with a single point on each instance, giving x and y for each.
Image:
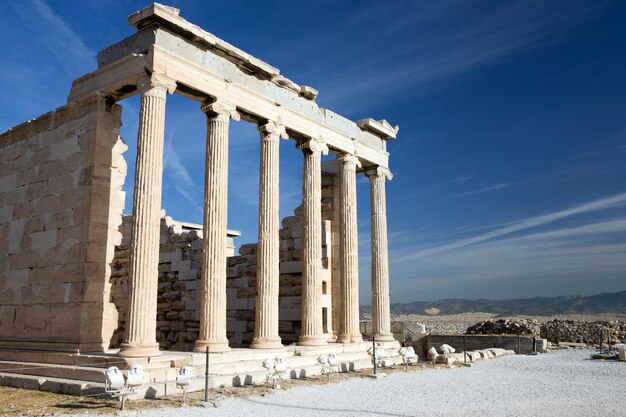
(600, 152)
(446, 39)
(56, 35)
(587, 258)
(485, 190)
(445, 184)
(602, 204)
(183, 183)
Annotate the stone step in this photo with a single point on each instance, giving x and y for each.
(162, 382)
(47, 370)
(240, 355)
(294, 362)
(57, 385)
(101, 360)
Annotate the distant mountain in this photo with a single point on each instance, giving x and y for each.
(600, 303)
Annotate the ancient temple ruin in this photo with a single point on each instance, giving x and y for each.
(61, 222)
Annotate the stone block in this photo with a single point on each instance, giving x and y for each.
(63, 149)
(248, 249)
(170, 256)
(292, 267)
(189, 274)
(296, 232)
(290, 314)
(7, 183)
(25, 382)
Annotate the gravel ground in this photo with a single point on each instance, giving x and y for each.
(562, 383)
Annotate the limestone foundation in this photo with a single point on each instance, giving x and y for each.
(140, 337)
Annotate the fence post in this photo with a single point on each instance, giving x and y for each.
(374, 353)
(464, 351)
(206, 377)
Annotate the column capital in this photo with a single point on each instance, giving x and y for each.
(273, 131)
(349, 159)
(156, 80)
(313, 145)
(377, 171)
(219, 109)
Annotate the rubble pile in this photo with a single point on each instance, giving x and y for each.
(505, 326)
(591, 333)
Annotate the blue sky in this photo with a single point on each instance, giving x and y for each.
(509, 165)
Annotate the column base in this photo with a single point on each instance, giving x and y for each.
(138, 350)
(266, 343)
(310, 340)
(213, 345)
(349, 338)
(384, 337)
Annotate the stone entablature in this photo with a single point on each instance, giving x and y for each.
(204, 65)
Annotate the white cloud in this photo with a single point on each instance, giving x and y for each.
(439, 50)
(183, 183)
(584, 259)
(485, 190)
(592, 206)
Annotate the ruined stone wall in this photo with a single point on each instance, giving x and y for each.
(179, 273)
(241, 277)
(61, 177)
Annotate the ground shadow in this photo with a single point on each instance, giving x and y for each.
(85, 405)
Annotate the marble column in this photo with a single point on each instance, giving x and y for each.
(268, 251)
(349, 331)
(140, 339)
(312, 333)
(381, 319)
(213, 263)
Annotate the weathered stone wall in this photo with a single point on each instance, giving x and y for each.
(179, 275)
(61, 177)
(241, 277)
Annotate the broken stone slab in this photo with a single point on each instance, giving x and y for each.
(497, 352)
(447, 359)
(486, 354)
(574, 345)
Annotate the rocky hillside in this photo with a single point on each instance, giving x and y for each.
(595, 304)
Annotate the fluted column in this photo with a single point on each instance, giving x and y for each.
(140, 339)
(348, 250)
(268, 252)
(312, 333)
(213, 263)
(381, 319)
